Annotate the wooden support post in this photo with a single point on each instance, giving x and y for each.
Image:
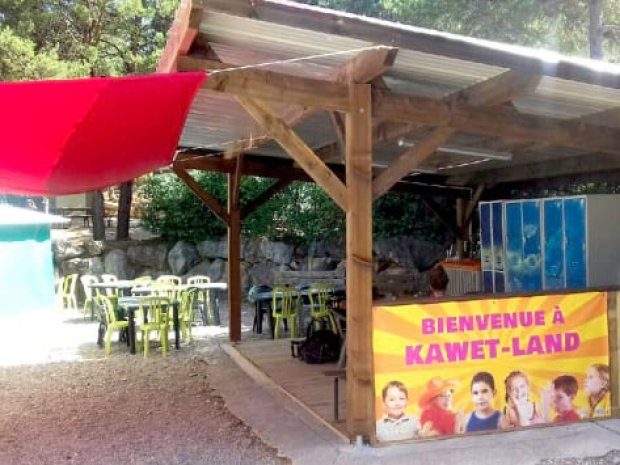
(459, 244)
(234, 258)
(360, 390)
(613, 321)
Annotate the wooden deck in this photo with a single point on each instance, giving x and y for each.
(310, 385)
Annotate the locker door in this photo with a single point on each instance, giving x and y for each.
(487, 282)
(553, 268)
(486, 253)
(497, 240)
(575, 245)
(532, 256)
(514, 246)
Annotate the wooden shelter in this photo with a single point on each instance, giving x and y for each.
(361, 107)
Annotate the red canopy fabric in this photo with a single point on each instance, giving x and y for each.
(65, 137)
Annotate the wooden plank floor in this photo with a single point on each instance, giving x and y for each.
(307, 383)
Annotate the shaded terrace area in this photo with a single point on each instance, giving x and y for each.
(363, 107)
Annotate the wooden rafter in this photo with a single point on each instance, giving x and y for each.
(269, 85)
(210, 201)
(181, 35)
(498, 122)
(364, 67)
(609, 117)
(471, 206)
(409, 160)
(297, 149)
(283, 168)
(496, 90)
(592, 163)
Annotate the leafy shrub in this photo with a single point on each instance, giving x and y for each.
(301, 213)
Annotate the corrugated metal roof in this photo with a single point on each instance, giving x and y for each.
(216, 121)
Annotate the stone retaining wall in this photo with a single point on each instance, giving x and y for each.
(129, 259)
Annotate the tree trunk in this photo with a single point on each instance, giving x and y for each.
(98, 216)
(595, 32)
(124, 211)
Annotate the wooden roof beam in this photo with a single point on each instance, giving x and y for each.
(364, 67)
(409, 160)
(297, 149)
(181, 35)
(284, 169)
(495, 91)
(214, 205)
(494, 122)
(269, 85)
(591, 163)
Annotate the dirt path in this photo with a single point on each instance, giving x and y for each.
(122, 410)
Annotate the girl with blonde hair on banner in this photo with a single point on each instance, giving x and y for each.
(596, 386)
(519, 409)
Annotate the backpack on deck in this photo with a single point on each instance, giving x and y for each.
(322, 346)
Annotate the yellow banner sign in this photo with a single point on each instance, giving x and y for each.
(458, 367)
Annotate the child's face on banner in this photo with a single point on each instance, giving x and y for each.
(593, 383)
(562, 402)
(482, 396)
(395, 402)
(519, 389)
(443, 400)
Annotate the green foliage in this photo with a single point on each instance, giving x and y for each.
(560, 25)
(406, 215)
(18, 60)
(301, 213)
(73, 37)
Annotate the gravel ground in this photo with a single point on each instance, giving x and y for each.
(63, 402)
(611, 458)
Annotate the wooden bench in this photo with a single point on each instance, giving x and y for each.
(83, 213)
(292, 278)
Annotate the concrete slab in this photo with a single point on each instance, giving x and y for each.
(296, 434)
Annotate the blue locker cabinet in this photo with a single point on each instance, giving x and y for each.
(553, 243)
(492, 246)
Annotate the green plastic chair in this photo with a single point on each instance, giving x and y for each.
(68, 299)
(110, 278)
(141, 282)
(186, 314)
(89, 294)
(284, 306)
(202, 295)
(170, 279)
(164, 289)
(112, 323)
(155, 308)
(318, 297)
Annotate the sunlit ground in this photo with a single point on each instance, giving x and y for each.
(50, 335)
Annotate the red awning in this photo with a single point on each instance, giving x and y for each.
(65, 137)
